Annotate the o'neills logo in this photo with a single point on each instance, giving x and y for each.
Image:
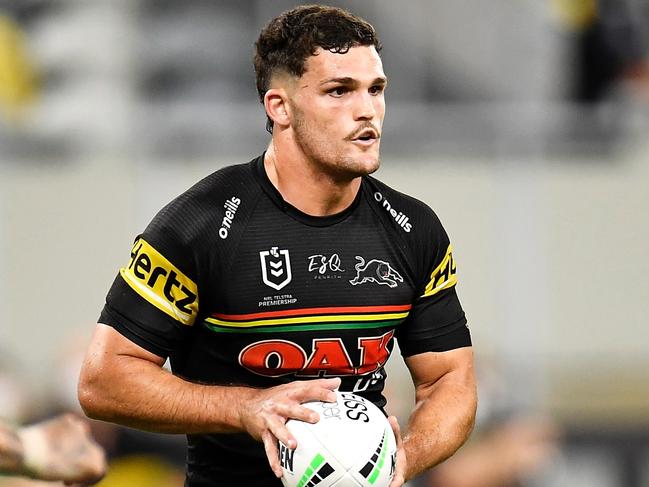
(400, 218)
(231, 207)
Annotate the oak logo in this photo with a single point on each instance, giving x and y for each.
(328, 356)
(158, 281)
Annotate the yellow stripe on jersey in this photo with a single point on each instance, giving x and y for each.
(309, 319)
(159, 282)
(443, 277)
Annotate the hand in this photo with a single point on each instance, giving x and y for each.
(62, 449)
(400, 471)
(265, 414)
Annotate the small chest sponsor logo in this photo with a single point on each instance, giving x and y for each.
(275, 267)
(325, 266)
(231, 206)
(375, 271)
(402, 220)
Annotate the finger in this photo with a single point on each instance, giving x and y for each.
(272, 453)
(331, 384)
(396, 429)
(316, 391)
(278, 428)
(400, 471)
(97, 464)
(397, 481)
(295, 411)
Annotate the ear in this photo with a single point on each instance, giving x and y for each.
(277, 107)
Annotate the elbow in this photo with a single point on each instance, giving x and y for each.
(87, 401)
(89, 394)
(471, 410)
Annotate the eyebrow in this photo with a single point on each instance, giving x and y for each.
(351, 81)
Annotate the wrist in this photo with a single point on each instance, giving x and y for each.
(241, 399)
(11, 449)
(35, 455)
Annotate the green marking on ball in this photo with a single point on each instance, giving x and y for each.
(379, 465)
(310, 470)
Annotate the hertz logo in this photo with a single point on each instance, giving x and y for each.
(156, 279)
(443, 276)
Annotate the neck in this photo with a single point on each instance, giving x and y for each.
(305, 186)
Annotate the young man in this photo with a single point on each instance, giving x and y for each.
(294, 266)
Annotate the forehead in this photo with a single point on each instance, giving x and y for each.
(359, 62)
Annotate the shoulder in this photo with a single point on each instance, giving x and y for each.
(409, 215)
(210, 205)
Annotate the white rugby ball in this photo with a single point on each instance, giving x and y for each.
(351, 446)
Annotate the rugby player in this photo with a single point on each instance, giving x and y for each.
(271, 283)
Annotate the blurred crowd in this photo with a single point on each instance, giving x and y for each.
(175, 80)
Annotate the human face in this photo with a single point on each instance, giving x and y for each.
(337, 110)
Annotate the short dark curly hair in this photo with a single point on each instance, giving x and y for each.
(289, 39)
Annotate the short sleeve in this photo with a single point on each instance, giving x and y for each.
(437, 322)
(154, 299)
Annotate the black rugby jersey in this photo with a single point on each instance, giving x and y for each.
(238, 287)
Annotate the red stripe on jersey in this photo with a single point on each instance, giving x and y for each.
(314, 311)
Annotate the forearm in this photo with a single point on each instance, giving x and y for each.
(440, 423)
(11, 450)
(142, 395)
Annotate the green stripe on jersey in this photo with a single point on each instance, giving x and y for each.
(303, 327)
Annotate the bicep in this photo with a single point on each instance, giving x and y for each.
(108, 345)
(431, 368)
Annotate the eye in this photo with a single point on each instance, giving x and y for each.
(338, 91)
(376, 89)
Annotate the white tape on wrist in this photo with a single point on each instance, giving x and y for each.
(35, 450)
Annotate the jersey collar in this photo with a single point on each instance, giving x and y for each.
(276, 198)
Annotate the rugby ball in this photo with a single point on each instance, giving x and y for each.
(351, 446)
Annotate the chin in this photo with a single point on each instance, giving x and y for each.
(367, 164)
(370, 167)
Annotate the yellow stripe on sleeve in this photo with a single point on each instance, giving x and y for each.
(158, 281)
(443, 277)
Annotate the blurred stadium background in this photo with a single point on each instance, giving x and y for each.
(523, 124)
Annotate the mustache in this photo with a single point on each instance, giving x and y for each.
(361, 128)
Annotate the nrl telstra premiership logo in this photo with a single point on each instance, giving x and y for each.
(275, 268)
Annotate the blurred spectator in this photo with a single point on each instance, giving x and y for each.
(511, 445)
(57, 449)
(17, 74)
(506, 455)
(135, 458)
(612, 46)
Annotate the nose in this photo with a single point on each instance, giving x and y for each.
(365, 109)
